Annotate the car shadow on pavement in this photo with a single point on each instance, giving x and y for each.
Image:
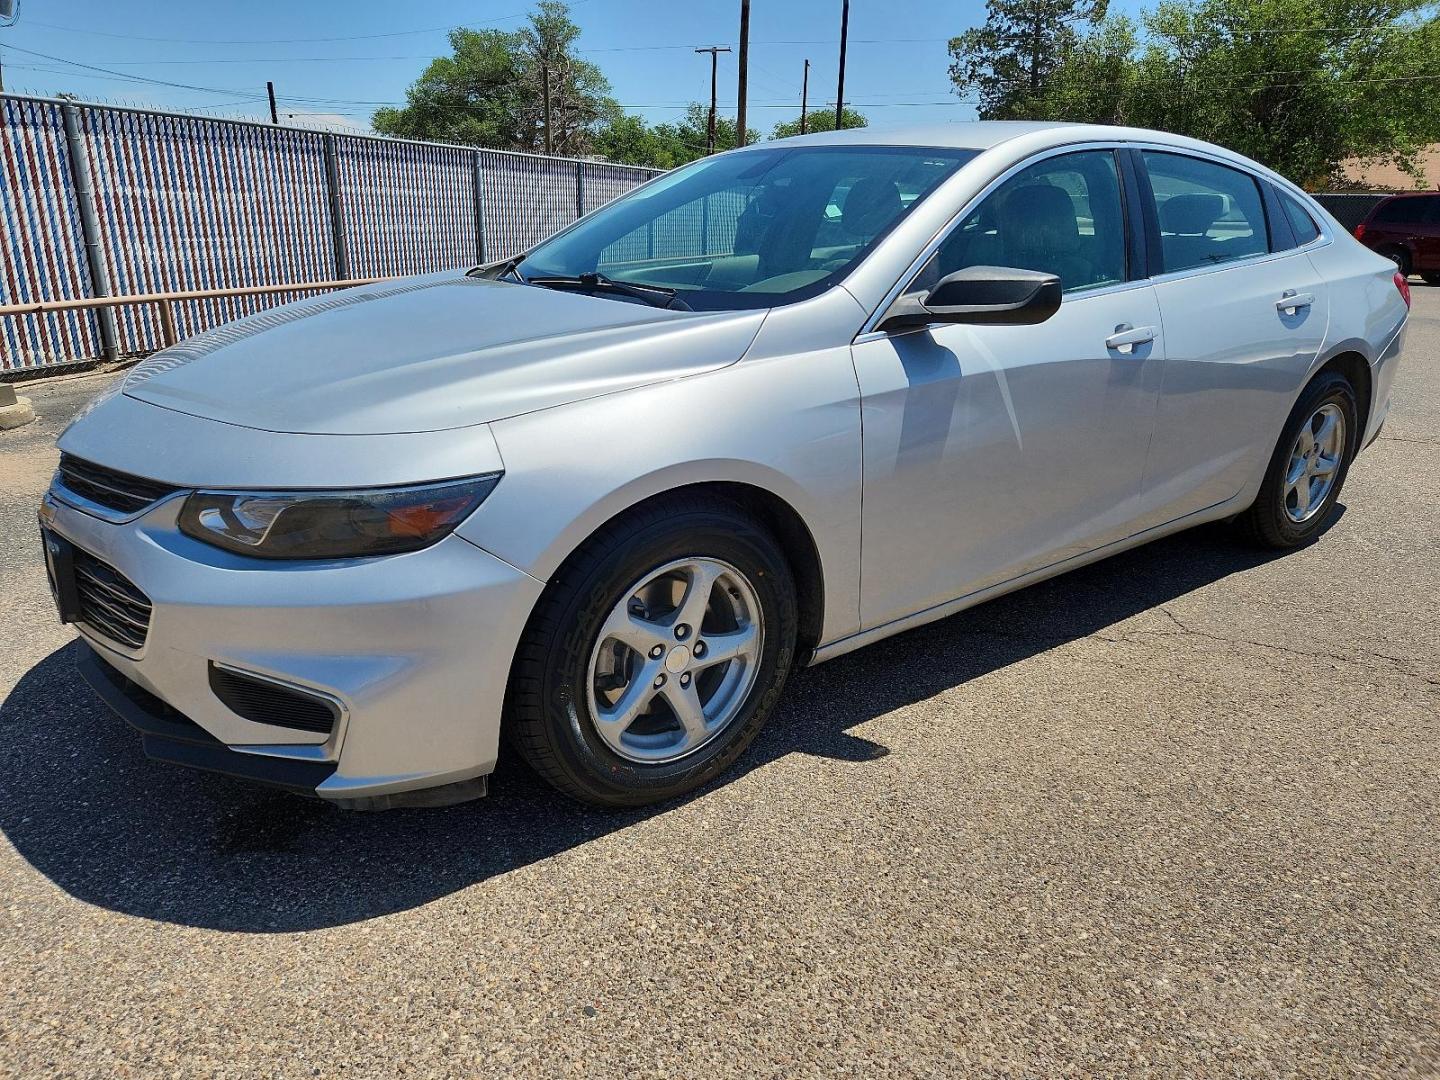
(83, 805)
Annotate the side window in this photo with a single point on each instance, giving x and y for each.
(1209, 213)
(1300, 220)
(1062, 215)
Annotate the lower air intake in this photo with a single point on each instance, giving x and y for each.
(265, 702)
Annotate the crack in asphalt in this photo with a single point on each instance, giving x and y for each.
(1398, 663)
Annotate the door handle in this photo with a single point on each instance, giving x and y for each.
(1292, 301)
(1126, 337)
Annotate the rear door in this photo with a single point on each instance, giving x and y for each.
(1245, 314)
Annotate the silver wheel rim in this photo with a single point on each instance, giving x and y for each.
(675, 660)
(1314, 463)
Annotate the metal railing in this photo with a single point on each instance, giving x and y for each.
(101, 201)
(165, 302)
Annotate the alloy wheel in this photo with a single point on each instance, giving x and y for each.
(1314, 463)
(675, 660)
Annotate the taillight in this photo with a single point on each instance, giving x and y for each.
(1360, 231)
(1404, 286)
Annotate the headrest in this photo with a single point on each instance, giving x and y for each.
(871, 206)
(1192, 213)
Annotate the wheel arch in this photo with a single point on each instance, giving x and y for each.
(1356, 369)
(777, 514)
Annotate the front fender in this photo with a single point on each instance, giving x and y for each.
(789, 425)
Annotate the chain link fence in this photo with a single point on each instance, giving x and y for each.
(97, 200)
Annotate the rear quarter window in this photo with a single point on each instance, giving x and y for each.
(1300, 220)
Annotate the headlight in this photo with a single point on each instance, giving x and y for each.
(332, 524)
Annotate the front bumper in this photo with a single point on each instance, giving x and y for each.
(414, 649)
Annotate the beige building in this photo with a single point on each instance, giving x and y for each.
(1386, 176)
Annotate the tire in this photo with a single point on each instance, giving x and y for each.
(1399, 256)
(1277, 519)
(1430, 277)
(571, 671)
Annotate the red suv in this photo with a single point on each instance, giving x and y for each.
(1406, 230)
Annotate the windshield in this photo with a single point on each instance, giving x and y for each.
(748, 230)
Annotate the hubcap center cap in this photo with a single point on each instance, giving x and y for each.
(678, 660)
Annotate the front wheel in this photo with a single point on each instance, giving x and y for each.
(655, 657)
(1308, 468)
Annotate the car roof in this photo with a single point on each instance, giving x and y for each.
(963, 135)
(1029, 136)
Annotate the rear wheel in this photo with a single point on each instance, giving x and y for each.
(1308, 468)
(655, 657)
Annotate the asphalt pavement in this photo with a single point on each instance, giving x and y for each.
(1176, 814)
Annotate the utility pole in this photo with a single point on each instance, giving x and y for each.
(804, 96)
(545, 94)
(744, 71)
(840, 90)
(9, 12)
(714, 51)
(274, 116)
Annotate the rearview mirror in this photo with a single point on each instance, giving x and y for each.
(979, 294)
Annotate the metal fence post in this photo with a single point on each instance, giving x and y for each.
(579, 189)
(89, 225)
(337, 220)
(479, 210)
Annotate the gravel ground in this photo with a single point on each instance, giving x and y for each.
(1175, 814)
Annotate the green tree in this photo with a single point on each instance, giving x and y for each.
(490, 90)
(1300, 85)
(819, 120)
(1008, 61)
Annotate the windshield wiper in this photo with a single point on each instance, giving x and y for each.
(498, 271)
(654, 295)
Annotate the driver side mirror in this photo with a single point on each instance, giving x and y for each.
(988, 295)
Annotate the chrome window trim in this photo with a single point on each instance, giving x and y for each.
(868, 331)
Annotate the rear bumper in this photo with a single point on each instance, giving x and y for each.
(1382, 380)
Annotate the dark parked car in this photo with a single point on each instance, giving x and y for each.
(1406, 230)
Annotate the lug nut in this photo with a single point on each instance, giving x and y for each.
(685, 679)
(657, 652)
(699, 649)
(682, 632)
(659, 681)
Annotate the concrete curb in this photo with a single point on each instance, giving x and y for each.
(17, 415)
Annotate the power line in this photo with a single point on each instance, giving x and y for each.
(278, 41)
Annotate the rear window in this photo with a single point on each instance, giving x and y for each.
(1208, 213)
(1395, 211)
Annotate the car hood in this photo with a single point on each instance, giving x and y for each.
(431, 353)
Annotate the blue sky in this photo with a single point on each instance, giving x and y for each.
(897, 69)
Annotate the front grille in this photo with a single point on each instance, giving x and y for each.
(110, 603)
(265, 702)
(110, 489)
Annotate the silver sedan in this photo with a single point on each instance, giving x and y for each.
(762, 411)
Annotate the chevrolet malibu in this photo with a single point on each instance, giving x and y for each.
(601, 497)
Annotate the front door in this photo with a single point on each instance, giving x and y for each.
(992, 451)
